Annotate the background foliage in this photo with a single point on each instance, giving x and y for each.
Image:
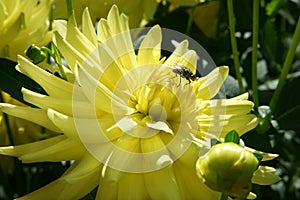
(208, 24)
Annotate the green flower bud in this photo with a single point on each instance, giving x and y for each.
(228, 168)
(35, 54)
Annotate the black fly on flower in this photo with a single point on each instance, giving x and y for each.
(183, 72)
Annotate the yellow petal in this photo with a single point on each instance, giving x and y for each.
(179, 51)
(38, 116)
(67, 149)
(53, 85)
(64, 106)
(159, 184)
(207, 87)
(225, 106)
(221, 125)
(264, 175)
(71, 54)
(87, 27)
(114, 33)
(79, 41)
(149, 51)
(108, 186)
(20, 150)
(189, 60)
(190, 185)
(75, 183)
(131, 187)
(97, 91)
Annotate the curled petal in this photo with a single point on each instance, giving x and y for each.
(265, 175)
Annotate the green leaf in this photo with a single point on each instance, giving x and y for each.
(258, 156)
(274, 6)
(287, 112)
(232, 136)
(12, 81)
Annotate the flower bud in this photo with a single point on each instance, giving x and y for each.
(35, 54)
(228, 168)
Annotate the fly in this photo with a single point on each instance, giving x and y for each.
(183, 72)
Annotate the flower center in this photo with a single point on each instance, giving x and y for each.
(155, 107)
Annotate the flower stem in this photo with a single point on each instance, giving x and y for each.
(234, 45)
(224, 196)
(254, 52)
(69, 7)
(190, 20)
(286, 66)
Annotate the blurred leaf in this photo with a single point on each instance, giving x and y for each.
(287, 112)
(12, 81)
(231, 87)
(269, 40)
(274, 6)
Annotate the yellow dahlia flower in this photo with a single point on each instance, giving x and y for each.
(21, 24)
(131, 124)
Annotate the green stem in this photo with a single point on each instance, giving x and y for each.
(286, 66)
(190, 20)
(51, 18)
(254, 52)
(234, 45)
(224, 196)
(57, 59)
(69, 7)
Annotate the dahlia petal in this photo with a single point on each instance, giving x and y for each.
(71, 55)
(20, 150)
(38, 116)
(65, 106)
(53, 85)
(114, 33)
(87, 27)
(109, 65)
(78, 40)
(131, 186)
(163, 126)
(159, 184)
(207, 87)
(96, 90)
(158, 160)
(113, 19)
(103, 30)
(149, 51)
(61, 27)
(108, 186)
(221, 125)
(65, 123)
(189, 60)
(190, 185)
(67, 149)
(251, 196)
(75, 183)
(266, 156)
(179, 51)
(264, 175)
(244, 96)
(225, 106)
